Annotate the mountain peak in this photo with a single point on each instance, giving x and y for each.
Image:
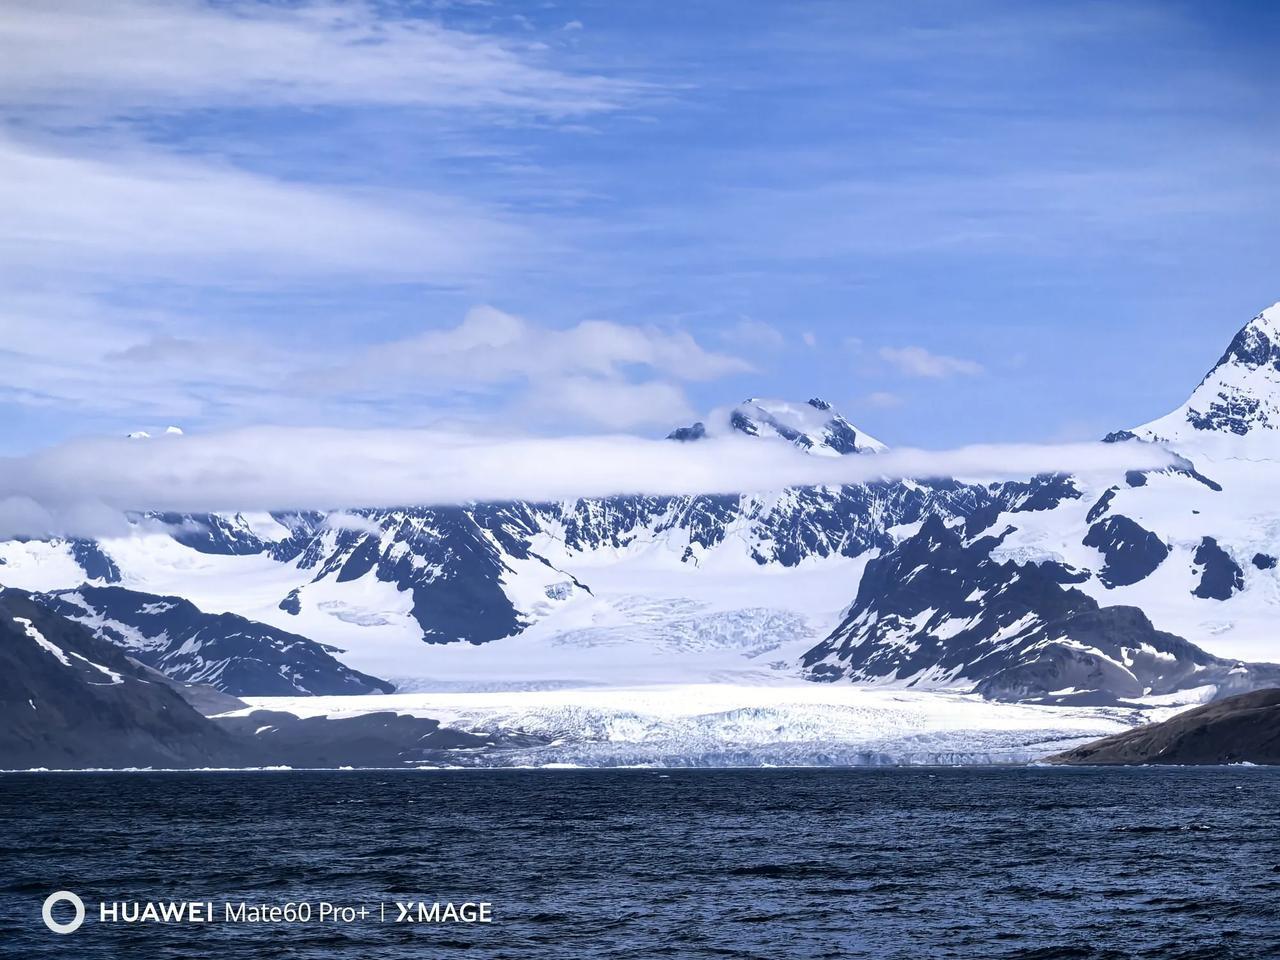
(814, 426)
(1240, 396)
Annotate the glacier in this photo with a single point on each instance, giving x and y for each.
(723, 724)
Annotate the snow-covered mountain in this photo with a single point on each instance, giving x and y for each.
(224, 650)
(758, 587)
(939, 611)
(69, 699)
(814, 426)
(651, 586)
(1139, 586)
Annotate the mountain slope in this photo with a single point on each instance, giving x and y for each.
(68, 699)
(225, 651)
(938, 611)
(1239, 729)
(1095, 594)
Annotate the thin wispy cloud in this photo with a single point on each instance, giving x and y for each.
(755, 334)
(919, 362)
(143, 214)
(883, 399)
(88, 187)
(151, 55)
(491, 344)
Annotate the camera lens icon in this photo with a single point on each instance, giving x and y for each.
(63, 896)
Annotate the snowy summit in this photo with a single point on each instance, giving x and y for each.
(1240, 395)
(814, 426)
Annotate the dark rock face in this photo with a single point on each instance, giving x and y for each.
(1239, 729)
(451, 559)
(213, 533)
(1119, 436)
(1220, 576)
(70, 700)
(695, 431)
(291, 604)
(1236, 416)
(233, 654)
(938, 609)
(1102, 505)
(1130, 551)
(95, 562)
(840, 434)
(1251, 347)
(1042, 492)
(1264, 561)
(1104, 654)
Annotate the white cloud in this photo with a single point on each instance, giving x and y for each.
(919, 362)
(143, 214)
(749, 332)
(492, 346)
(883, 399)
(68, 352)
(89, 189)
(614, 404)
(341, 520)
(131, 55)
(591, 372)
(809, 339)
(83, 487)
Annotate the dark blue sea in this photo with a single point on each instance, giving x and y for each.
(983, 863)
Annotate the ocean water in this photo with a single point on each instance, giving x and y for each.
(983, 863)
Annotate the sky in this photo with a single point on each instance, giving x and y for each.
(960, 223)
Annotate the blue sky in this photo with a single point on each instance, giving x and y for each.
(958, 222)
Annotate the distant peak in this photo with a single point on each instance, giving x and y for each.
(814, 426)
(695, 431)
(1239, 396)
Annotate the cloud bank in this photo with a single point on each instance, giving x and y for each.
(61, 352)
(85, 488)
